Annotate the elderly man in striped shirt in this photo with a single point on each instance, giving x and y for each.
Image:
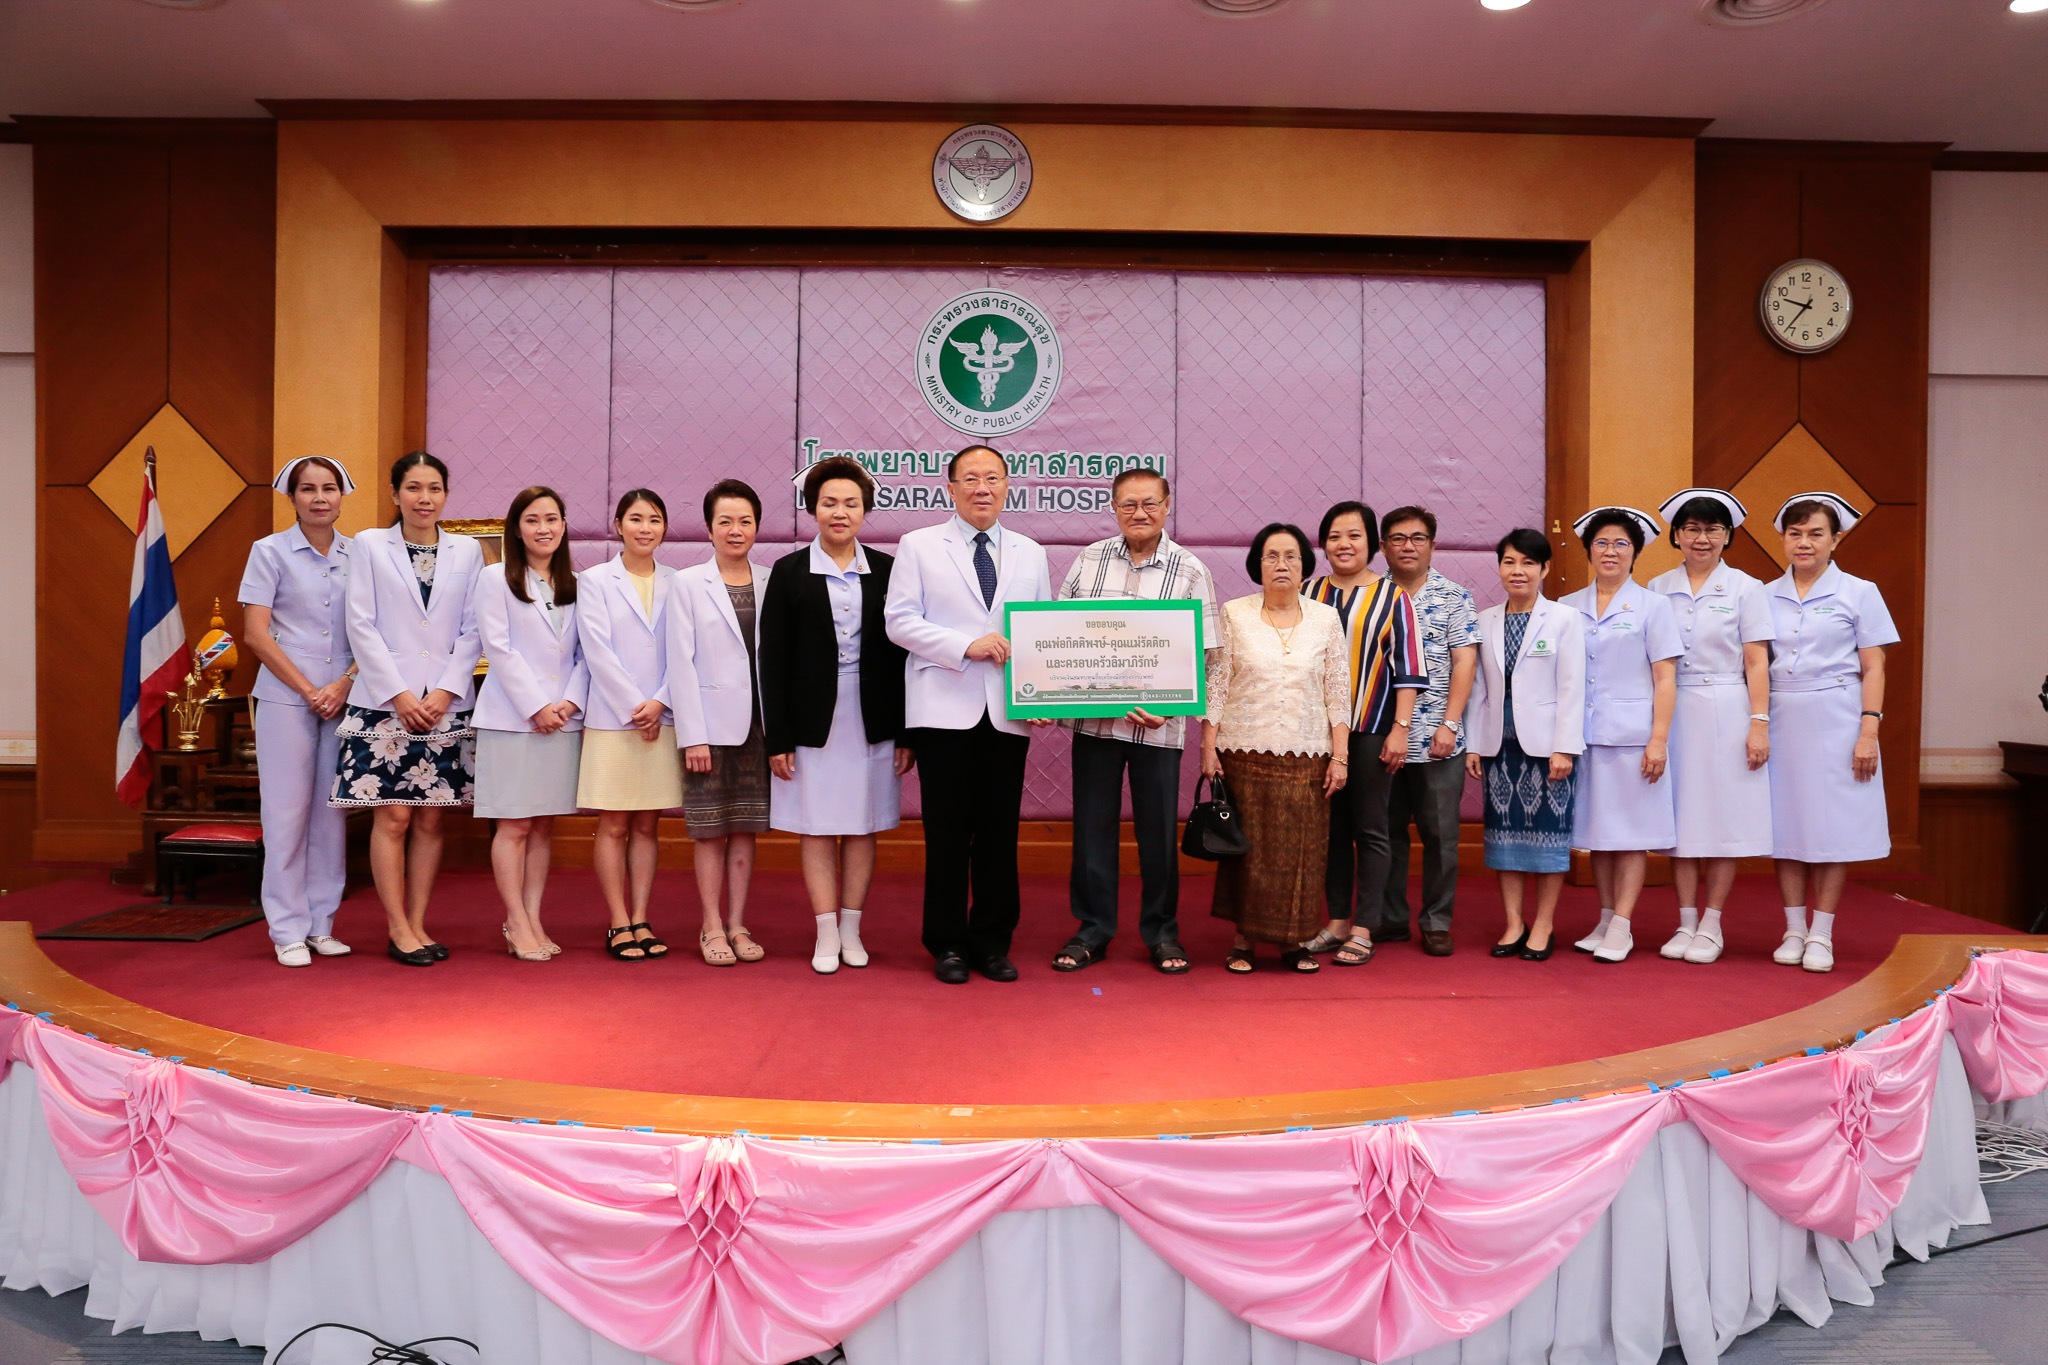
(1138, 562)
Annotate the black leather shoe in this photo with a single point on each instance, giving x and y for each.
(1537, 954)
(951, 968)
(418, 957)
(440, 954)
(996, 967)
(1437, 943)
(1401, 935)
(1511, 949)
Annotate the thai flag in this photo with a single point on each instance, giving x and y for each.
(154, 660)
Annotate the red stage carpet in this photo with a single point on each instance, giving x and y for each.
(1118, 1031)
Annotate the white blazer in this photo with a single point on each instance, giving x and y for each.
(1550, 683)
(624, 647)
(935, 611)
(402, 644)
(710, 686)
(530, 665)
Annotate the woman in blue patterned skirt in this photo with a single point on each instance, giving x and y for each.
(1529, 700)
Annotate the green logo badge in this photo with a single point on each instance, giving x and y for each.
(988, 363)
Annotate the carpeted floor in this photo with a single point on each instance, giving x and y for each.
(1118, 1031)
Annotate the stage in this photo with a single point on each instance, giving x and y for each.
(1117, 1033)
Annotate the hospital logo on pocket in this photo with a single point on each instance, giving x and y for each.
(988, 363)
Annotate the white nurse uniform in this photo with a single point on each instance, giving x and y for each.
(1723, 808)
(1617, 810)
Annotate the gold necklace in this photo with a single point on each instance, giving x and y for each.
(1286, 636)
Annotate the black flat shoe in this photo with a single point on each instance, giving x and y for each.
(438, 953)
(1538, 954)
(951, 968)
(996, 967)
(418, 957)
(1512, 949)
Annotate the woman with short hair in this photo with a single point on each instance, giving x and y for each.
(1623, 807)
(713, 685)
(529, 714)
(1529, 698)
(1827, 698)
(832, 703)
(630, 771)
(1720, 726)
(407, 746)
(294, 613)
(1277, 730)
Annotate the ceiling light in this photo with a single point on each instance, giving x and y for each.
(2029, 6)
(1237, 9)
(1751, 13)
(183, 4)
(1503, 4)
(692, 6)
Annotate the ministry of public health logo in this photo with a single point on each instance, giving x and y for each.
(982, 172)
(988, 363)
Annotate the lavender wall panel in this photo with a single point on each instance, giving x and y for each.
(1268, 401)
(518, 392)
(704, 388)
(1454, 402)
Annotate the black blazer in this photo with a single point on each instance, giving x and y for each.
(800, 656)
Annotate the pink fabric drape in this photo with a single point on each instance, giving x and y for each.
(196, 1168)
(1999, 1014)
(1377, 1241)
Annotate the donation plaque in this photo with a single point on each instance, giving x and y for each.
(1104, 656)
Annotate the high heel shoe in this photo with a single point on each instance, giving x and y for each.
(418, 957)
(537, 955)
(1513, 949)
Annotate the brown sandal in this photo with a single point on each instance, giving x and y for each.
(743, 944)
(722, 955)
(1359, 951)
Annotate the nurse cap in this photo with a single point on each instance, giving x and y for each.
(1849, 515)
(283, 482)
(1646, 523)
(1737, 513)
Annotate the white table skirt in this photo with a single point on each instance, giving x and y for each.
(1685, 1255)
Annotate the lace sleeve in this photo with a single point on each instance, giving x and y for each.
(1336, 678)
(1218, 662)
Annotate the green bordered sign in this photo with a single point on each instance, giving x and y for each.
(1103, 656)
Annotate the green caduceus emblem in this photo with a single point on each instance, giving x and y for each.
(987, 360)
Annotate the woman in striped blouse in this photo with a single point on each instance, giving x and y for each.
(1384, 646)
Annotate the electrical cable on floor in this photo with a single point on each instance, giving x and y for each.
(385, 1352)
(2005, 1152)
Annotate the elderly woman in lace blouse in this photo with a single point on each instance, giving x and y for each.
(1277, 729)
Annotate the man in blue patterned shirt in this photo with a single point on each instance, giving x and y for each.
(1429, 788)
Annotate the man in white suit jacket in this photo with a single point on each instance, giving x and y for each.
(945, 606)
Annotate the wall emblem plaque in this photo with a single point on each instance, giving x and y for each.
(982, 172)
(988, 363)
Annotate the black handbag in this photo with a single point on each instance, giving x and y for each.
(1214, 829)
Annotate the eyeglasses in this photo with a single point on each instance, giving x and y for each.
(983, 481)
(1414, 538)
(1280, 557)
(1131, 507)
(1695, 531)
(1623, 543)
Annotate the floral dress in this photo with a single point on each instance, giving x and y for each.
(384, 764)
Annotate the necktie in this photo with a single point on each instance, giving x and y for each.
(985, 568)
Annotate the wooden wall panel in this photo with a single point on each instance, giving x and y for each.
(1746, 388)
(1866, 399)
(223, 294)
(1973, 835)
(1863, 208)
(102, 257)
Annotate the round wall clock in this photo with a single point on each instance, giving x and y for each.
(1804, 306)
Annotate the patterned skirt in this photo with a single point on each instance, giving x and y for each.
(733, 797)
(1528, 817)
(384, 764)
(1274, 894)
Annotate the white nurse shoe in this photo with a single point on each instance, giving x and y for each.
(1791, 950)
(1675, 946)
(1819, 955)
(294, 955)
(1704, 948)
(1619, 940)
(327, 945)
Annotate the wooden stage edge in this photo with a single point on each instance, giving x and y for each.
(1920, 966)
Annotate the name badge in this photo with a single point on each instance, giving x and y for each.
(1723, 608)
(1541, 649)
(1625, 627)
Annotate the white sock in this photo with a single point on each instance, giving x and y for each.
(1795, 919)
(1823, 927)
(828, 939)
(849, 937)
(1710, 926)
(1619, 934)
(1689, 918)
